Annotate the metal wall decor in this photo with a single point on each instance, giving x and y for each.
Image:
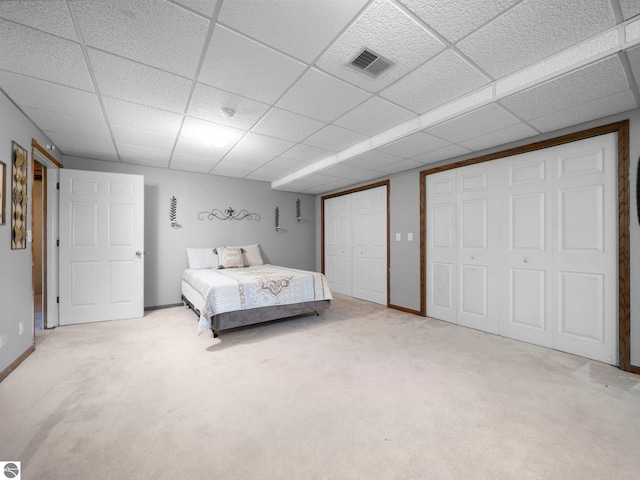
(277, 219)
(298, 213)
(229, 214)
(19, 197)
(3, 180)
(173, 212)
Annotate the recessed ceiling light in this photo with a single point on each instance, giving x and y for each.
(227, 112)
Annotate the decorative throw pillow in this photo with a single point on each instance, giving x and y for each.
(251, 255)
(230, 257)
(199, 258)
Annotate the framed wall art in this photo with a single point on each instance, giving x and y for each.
(19, 197)
(3, 183)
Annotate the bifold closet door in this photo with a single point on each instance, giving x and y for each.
(369, 234)
(337, 244)
(536, 247)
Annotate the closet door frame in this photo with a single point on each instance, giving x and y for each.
(384, 183)
(624, 281)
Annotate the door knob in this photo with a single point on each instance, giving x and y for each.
(138, 254)
(526, 260)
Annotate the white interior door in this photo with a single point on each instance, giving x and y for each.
(536, 249)
(478, 246)
(369, 237)
(442, 263)
(585, 277)
(101, 246)
(526, 309)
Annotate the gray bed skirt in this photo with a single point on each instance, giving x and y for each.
(240, 318)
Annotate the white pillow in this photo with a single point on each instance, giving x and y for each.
(230, 257)
(251, 255)
(199, 258)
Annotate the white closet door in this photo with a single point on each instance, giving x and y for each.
(477, 254)
(586, 249)
(337, 238)
(441, 245)
(526, 306)
(369, 213)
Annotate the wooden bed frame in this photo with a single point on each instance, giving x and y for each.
(240, 318)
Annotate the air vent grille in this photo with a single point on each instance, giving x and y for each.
(370, 63)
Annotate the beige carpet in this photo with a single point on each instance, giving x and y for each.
(361, 392)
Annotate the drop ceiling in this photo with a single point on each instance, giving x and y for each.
(146, 82)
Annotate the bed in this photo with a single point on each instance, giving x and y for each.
(250, 293)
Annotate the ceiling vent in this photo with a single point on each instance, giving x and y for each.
(370, 63)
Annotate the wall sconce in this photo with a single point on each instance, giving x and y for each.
(277, 219)
(173, 212)
(298, 214)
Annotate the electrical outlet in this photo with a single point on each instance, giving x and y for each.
(21, 328)
(3, 339)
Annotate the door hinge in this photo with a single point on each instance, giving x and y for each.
(58, 186)
(57, 299)
(58, 243)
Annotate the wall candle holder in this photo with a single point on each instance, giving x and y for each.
(298, 213)
(229, 214)
(277, 219)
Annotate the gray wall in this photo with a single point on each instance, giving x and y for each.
(404, 207)
(165, 258)
(16, 292)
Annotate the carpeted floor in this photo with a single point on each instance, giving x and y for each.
(361, 392)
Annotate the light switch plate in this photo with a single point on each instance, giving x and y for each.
(398, 237)
(410, 237)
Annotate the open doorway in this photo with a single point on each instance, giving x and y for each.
(39, 245)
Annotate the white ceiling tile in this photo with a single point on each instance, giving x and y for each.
(29, 92)
(254, 159)
(138, 30)
(207, 103)
(374, 116)
(288, 164)
(254, 142)
(141, 117)
(446, 153)
(401, 166)
(372, 160)
(83, 146)
(435, 83)
(287, 125)
(533, 30)
(356, 174)
(191, 163)
(205, 7)
(500, 137)
(320, 96)
(242, 66)
(334, 138)
(144, 156)
(630, 8)
(600, 79)
(319, 179)
(43, 56)
(388, 31)
(453, 19)
(127, 80)
(232, 169)
(300, 29)
(479, 122)
(142, 138)
(267, 174)
(307, 153)
(413, 145)
(601, 107)
(203, 132)
(77, 126)
(50, 16)
(634, 60)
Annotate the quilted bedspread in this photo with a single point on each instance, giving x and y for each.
(257, 286)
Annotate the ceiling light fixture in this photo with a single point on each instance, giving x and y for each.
(227, 112)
